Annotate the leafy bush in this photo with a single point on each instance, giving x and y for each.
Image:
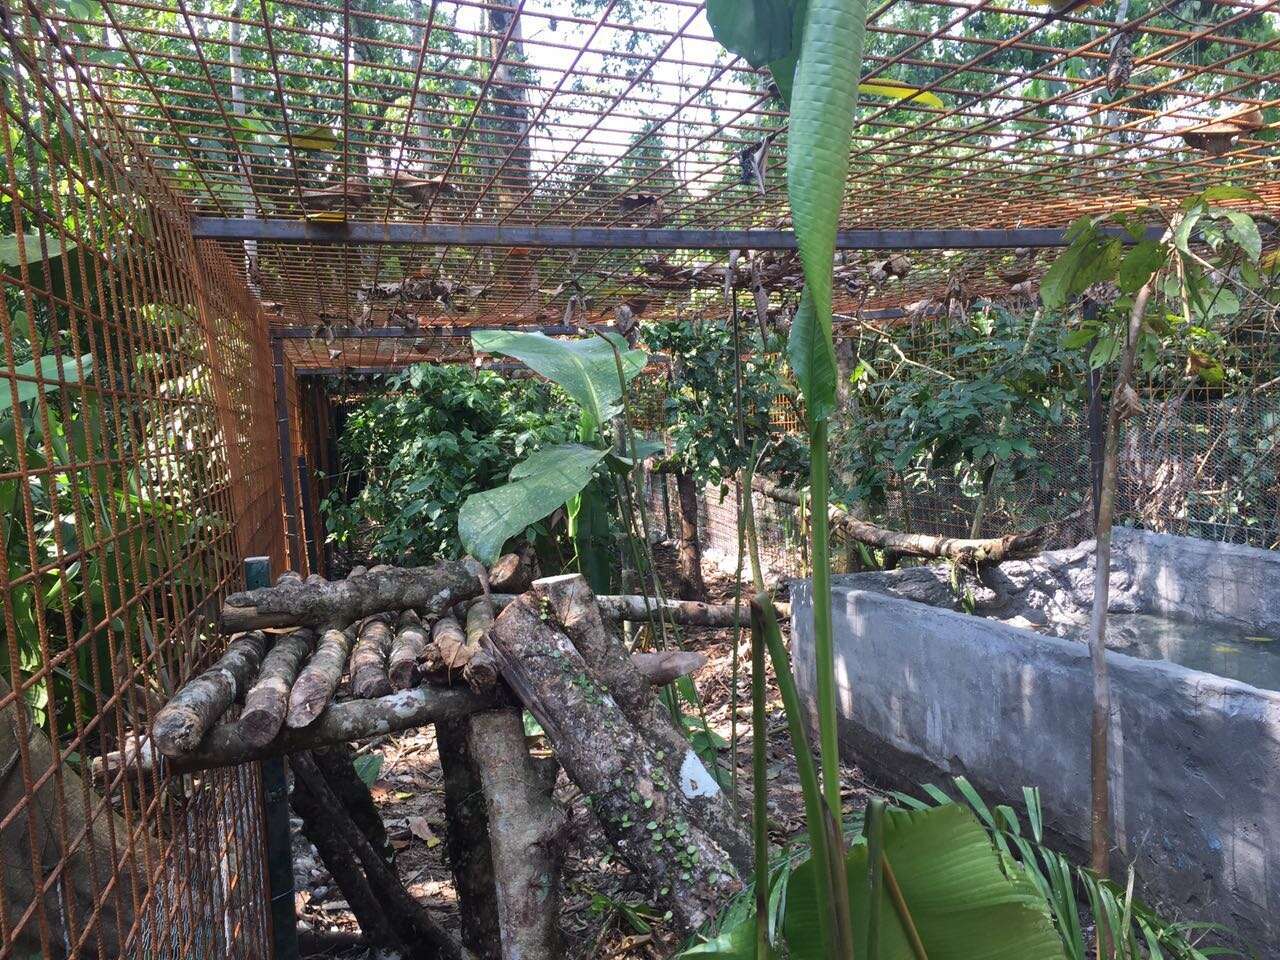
(438, 435)
(701, 409)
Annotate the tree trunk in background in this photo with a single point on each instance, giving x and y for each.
(688, 549)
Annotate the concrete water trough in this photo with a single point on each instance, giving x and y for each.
(1002, 695)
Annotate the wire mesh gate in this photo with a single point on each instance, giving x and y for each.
(138, 467)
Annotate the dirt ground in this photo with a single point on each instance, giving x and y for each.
(607, 913)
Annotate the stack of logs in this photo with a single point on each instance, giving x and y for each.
(428, 645)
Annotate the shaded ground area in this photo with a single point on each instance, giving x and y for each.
(607, 911)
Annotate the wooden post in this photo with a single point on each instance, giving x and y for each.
(275, 819)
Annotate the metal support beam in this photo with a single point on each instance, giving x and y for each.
(412, 333)
(639, 238)
(275, 815)
(286, 456)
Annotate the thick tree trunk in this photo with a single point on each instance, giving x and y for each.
(650, 816)
(571, 601)
(1015, 546)
(688, 548)
(524, 828)
(316, 602)
(318, 680)
(267, 701)
(182, 723)
(467, 840)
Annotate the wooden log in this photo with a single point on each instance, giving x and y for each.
(571, 601)
(1014, 546)
(337, 763)
(450, 655)
(325, 830)
(686, 613)
(267, 701)
(412, 921)
(316, 602)
(645, 812)
(467, 840)
(661, 667)
(524, 827)
(511, 573)
(407, 648)
(369, 659)
(224, 746)
(318, 680)
(184, 720)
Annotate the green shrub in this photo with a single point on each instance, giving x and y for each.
(437, 435)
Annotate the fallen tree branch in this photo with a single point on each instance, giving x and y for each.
(182, 722)
(524, 826)
(685, 613)
(646, 813)
(316, 602)
(1014, 546)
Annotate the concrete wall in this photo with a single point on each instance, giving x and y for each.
(927, 693)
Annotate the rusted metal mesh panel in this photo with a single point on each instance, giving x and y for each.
(605, 113)
(137, 469)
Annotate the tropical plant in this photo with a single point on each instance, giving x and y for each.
(1136, 931)
(1197, 270)
(709, 430)
(593, 373)
(414, 453)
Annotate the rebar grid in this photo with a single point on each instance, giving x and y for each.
(630, 114)
(136, 469)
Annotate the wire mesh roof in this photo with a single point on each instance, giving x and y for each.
(627, 113)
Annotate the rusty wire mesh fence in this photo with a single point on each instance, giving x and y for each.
(137, 470)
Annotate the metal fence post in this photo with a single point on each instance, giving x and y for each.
(275, 815)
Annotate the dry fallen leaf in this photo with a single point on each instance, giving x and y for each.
(419, 827)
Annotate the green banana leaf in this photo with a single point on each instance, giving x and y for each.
(585, 369)
(61, 375)
(825, 94)
(966, 900)
(539, 486)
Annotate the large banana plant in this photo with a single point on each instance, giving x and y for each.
(587, 371)
(922, 884)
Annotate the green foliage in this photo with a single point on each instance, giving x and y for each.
(701, 410)
(541, 484)
(585, 369)
(966, 900)
(439, 434)
(1136, 930)
(983, 400)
